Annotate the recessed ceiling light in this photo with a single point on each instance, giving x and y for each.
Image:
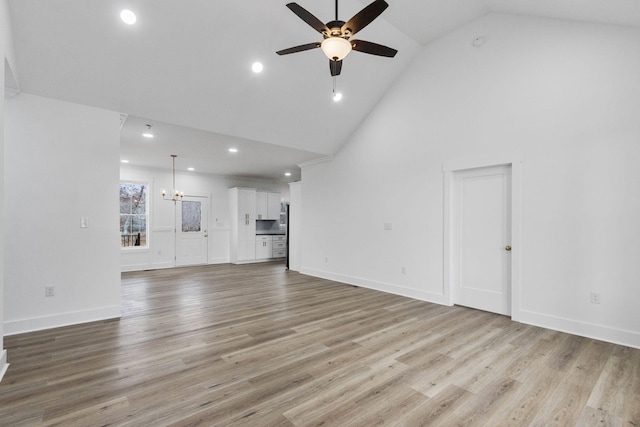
(287, 174)
(337, 96)
(233, 150)
(191, 169)
(128, 17)
(257, 67)
(124, 161)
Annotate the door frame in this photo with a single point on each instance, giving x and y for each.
(449, 169)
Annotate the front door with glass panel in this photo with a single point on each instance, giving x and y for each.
(191, 231)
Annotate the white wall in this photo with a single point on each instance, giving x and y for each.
(61, 164)
(161, 250)
(8, 56)
(565, 98)
(295, 226)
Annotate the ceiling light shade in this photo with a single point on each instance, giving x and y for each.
(128, 17)
(336, 48)
(337, 96)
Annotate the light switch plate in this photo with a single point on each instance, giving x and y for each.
(84, 222)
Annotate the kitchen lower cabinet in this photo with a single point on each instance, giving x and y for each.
(279, 247)
(263, 247)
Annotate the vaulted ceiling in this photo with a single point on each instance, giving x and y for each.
(185, 68)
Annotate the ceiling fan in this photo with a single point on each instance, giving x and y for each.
(336, 44)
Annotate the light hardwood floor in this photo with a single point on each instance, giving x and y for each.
(255, 345)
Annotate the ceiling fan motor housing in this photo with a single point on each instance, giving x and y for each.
(335, 28)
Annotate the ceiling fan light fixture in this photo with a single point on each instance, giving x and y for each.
(336, 48)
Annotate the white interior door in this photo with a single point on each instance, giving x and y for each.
(191, 231)
(481, 268)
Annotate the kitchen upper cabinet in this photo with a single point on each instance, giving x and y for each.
(262, 205)
(246, 203)
(273, 206)
(267, 205)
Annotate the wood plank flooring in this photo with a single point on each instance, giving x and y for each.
(256, 345)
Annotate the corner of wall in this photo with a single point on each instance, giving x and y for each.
(3, 364)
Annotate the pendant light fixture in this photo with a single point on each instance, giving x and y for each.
(176, 195)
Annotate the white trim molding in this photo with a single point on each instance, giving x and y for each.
(3, 364)
(378, 286)
(20, 326)
(580, 328)
(315, 161)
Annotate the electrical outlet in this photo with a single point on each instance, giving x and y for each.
(595, 298)
(326, 259)
(49, 291)
(403, 270)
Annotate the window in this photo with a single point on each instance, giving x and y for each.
(191, 217)
(133, 214)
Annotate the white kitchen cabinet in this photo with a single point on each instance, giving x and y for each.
(267, 205)
(279, 246)
(262, 205)
(242, 205)
(246, 203)
(263, 247)
(273, 206)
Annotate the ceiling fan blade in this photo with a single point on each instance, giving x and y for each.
(335, 67)
(300, 48)
(372, 48)
(364, 17)
(307, 17)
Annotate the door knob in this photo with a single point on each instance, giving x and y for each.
(507, 248)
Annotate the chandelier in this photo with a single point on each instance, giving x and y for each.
(176, 195)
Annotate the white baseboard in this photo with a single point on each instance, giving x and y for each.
(134, 267)
(583, 329)
(219, 260)
(13, 327)
(378, 286)
(574, 327)
(3, 364)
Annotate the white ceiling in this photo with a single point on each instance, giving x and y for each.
(185, 67)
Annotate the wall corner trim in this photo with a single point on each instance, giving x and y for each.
(315, 161)
(3, 364)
